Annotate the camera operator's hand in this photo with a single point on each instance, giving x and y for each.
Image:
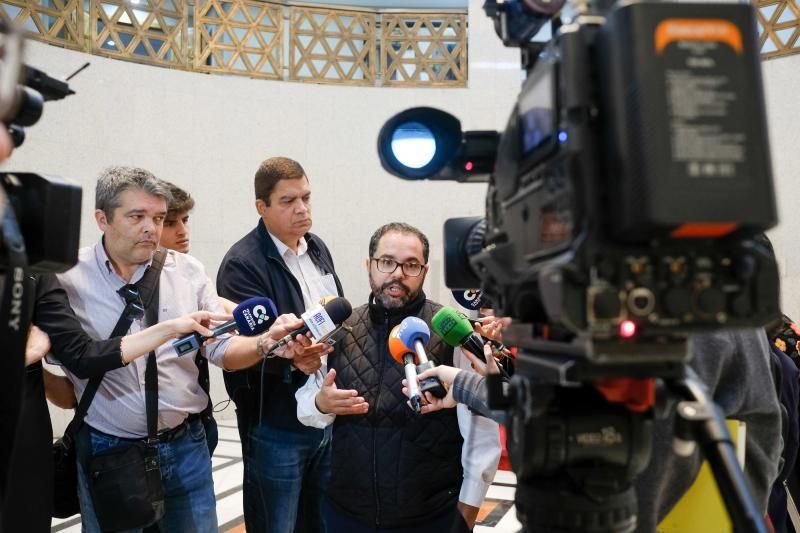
(332, 401)
(37, 347)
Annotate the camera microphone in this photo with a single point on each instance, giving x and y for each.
(323, 322)
(251, 317)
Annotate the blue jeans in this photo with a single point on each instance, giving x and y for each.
(286, 475)
(450, 521)
(190, 505)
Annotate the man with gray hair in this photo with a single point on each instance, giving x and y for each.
(131, 204)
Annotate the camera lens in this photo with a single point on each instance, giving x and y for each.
(29, 107)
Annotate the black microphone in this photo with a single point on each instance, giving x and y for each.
(251, 317)
(321, 321)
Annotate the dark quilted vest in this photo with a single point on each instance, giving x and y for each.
(391, 467)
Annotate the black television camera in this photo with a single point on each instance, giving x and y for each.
(623, 198)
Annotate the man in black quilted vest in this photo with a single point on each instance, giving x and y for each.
(390, 468)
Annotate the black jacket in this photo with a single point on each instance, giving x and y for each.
(253, 267)
(391, 467)
(70, 344)
(29, 504)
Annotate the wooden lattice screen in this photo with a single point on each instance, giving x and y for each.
(58, 22)
(149, 31)
(422, 49)
(778, 27)
(242, 37)
(273, 39)
(332, 46)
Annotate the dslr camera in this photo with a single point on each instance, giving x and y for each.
(623, 200)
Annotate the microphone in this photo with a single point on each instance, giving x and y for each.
(405, 357)
(472, 299)
(323, 322)
(456, 330)
(413, 333)
(339, 333)
(251, 317)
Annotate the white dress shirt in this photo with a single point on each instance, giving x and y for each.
(118, 408)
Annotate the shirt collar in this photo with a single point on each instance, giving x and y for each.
(302, 246)
(105, 266)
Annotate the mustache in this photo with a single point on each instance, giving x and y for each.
(393, 283)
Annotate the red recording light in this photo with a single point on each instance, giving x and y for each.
(469, 166)
(627, 329)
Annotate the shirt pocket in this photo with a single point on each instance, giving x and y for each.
(324, 285)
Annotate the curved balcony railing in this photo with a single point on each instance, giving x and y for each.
(260, 39)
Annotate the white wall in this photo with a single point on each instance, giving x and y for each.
(208, 133)
(782, 82)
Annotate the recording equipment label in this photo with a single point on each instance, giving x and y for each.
(319, 322)
(471, 299)
(704, 95)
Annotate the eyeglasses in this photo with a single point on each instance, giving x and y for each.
(134, 308)
(387, 266)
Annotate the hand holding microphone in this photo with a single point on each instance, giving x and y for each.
(250, 317)
(410, 337)
(322, 322)
(405, 357)
(456, 330)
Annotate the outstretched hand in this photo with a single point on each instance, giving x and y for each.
(199, 322)
(334, 401)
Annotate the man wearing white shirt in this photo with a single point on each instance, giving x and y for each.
(392, 469)
(285, 463)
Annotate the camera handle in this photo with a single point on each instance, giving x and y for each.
(698, 421)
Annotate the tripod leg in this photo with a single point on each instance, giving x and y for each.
(700, 420)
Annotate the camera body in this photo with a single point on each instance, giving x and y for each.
(630, 178)
(625, 197)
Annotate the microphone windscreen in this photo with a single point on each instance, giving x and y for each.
(339, 309)
(325, 300)
(413, 329)
(472, 299)
(453, 327)
(254, 315)
(396, 346)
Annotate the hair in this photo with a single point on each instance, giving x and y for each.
(273, 170)
(400, 227)
(181, 201)
(113, 181)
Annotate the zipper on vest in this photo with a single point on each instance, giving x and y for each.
(383, 353)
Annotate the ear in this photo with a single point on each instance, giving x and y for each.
(102, 221)
(368, 261)
(261, 207)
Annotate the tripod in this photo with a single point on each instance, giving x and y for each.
(576, 449)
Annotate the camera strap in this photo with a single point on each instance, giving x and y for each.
(148, 287)
(15, 316)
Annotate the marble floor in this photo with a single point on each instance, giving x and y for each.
(497, 511)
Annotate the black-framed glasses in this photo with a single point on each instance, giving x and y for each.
(387, 266)
(134, 308)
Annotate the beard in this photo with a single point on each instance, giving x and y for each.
(391, 302)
